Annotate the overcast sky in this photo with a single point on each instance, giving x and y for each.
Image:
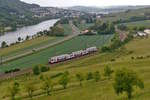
(100, 3)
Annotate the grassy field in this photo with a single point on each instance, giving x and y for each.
(85, 26)
(42, 57)
(91, 90)
(31, 44)
(126, 15)
(145, 23)
(27, 45)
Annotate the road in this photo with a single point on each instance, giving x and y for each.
(75, 32)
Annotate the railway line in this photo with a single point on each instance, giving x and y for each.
(75, 32)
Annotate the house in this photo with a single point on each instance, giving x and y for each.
(141, 34)
(85, 31)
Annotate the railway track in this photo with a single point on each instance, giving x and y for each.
(75, 32)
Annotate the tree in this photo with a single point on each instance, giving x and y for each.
(89, 76)
(14, 89)
(108, 71)
(36, 70)
(64, 80)
(125, 80)
(80, 78)
(4, 44)
(30, 89)
(47, 85)
(97, 76)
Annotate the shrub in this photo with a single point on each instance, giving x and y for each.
(36, 70)
(89, 76)
(44, 69)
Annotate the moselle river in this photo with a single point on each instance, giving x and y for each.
(12, 37)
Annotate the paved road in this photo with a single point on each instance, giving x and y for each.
(75, 32)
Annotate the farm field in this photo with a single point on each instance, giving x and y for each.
(91, 90)
(145, 23)
(125, 15)
(85, 26)
(42, 57)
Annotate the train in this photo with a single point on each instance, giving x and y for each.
(72, 55)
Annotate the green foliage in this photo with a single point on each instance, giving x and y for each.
(125, 80)
(56, 31)
(103, 27)
(44, 68)
(89, 76)
(122, 27)
(80, 78)
(14, 89)
(64, 80)
(36, 70)
(30, 89)
(108, 71)
(47, 85)
(96, 76)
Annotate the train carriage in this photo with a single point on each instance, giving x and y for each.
(76, 54)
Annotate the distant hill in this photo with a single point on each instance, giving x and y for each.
(105, 10)
(15, 12)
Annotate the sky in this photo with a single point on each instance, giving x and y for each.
(98, 3)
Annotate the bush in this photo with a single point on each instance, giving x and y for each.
(89, 76)
(12, 70)
(36, 70)
(56, 75)
(44, 69)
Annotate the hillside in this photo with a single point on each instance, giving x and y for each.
(15, 12)
(105, 10)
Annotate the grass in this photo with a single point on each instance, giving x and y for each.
(91, 90)
(67, 29)
(42, 57)
(31, 44)
(27, 45)
(145, 23)
(85, 26)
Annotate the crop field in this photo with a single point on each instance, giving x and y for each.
(91, 90)
(145, 23)
(27, 45)
(67, 29)
(42, 57)
(126, 15)
(85, 26)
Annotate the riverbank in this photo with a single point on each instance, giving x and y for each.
(12, 37)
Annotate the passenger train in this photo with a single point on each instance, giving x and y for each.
(73, 55)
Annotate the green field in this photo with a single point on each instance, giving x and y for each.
(32, 44)
(145, 23)
(91, 90)
(42, 57)
(85, 26)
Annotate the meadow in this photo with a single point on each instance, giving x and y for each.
(91, 90)
(145, 23)
(42, 57)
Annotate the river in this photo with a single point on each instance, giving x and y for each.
(12, 37)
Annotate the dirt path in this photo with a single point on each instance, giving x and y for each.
(122, 34)
(75, 31)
